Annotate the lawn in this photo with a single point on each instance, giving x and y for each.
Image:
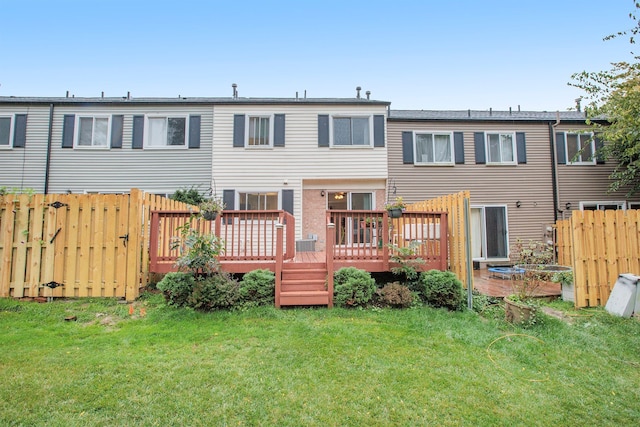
(175, 367)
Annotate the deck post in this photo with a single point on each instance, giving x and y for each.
(331, 238)
(444, 240)
(387, 240)
(279, 258)
(153, 241)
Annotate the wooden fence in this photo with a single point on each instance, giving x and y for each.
(599, 245)
(453, 205)
(76, 245)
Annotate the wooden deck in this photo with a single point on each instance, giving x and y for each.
(488, 284)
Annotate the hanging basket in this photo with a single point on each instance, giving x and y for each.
(209, 215)
(395, 213)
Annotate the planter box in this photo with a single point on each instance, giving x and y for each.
(568, 292)
(517, 313)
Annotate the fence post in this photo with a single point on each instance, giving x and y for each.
(331, 238)
(279, 258)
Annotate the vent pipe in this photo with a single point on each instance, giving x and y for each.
(358, 89)
(128, 95)
(490, 111)
(368, 95)
(103, 94)
(67, 94)
(235, 90)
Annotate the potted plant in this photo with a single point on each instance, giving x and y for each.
(211, 208)
(532, 257)
(565, 278)
(396, 207)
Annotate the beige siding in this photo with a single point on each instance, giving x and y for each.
(586, 183)
(25, 167)
(529, 183)
(300, 160)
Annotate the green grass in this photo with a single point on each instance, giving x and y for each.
(310, 367)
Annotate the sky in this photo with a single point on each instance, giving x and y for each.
(445, 54)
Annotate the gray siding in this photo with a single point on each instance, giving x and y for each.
(529, 183)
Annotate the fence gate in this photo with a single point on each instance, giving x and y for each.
(70, 245)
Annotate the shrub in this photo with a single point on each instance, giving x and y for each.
(176, 287)
(353, 287)
(395, 295)
(198, 252)
(257, 288)
(216, 291)
(188, 195)
(442, 289)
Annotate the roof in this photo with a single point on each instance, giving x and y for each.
(486, 115)
(187, 100)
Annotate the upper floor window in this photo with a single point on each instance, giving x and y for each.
(92, 132)
(5, 132)
(602, 206)
(258, 201)
(166, 132)
(258, 133)
(501, 148)
(433, 148)
(351, 131)
(580, 148)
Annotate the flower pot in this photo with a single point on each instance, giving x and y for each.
(395, 213)
(209, 215)
(568, 292)
(516, 312)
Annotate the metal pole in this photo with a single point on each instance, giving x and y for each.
(467, 249)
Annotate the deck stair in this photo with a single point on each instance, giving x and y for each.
(304, 283)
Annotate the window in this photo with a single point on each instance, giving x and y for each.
(5, 132)
(602, 206)
(92, 132)
(433, 148)
(258, 132)
(580, 148)
(167, 132)
(258, 201)
(501, 148)
(351, 131)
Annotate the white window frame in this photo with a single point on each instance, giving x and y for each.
(592, 160)
(259, 193)
(598, 204)
(76, 132)
(433, 134)
(147, 133)
(483, 232)
(349, 116)
(12, 122)
(513, 145)
(247, 128)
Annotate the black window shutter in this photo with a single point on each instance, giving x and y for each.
(20, 131)
(238, 130)
(287, 201)
(68, 125)
(278, 130)
(458, 147)
(599, 144)
(116, 131)
(323, 130)
(229, 199)
(561, 153)
(521, 147)
(194, 131)
(478, 142)
(138, 132)
(407, 147)
(378, 131)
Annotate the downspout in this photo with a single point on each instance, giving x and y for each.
(47, 166)
(554, 167)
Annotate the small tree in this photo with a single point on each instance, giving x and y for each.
(199, 252)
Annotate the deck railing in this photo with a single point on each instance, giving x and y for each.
(246, 235)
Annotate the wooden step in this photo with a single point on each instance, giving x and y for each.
(304, 298)
(303, 285)
(304, 266)
(307, 274)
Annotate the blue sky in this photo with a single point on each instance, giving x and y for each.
(415, 54)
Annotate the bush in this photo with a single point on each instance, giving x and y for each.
(257, 288)
(395, 295)
(188, 195)
(176, 287)
(216, 291)
(442, 289)
(352, 287)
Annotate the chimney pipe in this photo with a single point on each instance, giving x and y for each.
(368, 95)
(518, 108)
(490, 111)
(67, 94)
(128, 95)
(235, 90)
(103, 94)
(578, 100)
(358, 89)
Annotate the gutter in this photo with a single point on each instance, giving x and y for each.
(47, 167)
(554, 168)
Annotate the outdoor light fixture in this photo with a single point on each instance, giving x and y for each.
(518, 204)
(568, 206)
(322, 193)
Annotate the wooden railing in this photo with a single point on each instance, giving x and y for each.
(248, 236)
(369, 237)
